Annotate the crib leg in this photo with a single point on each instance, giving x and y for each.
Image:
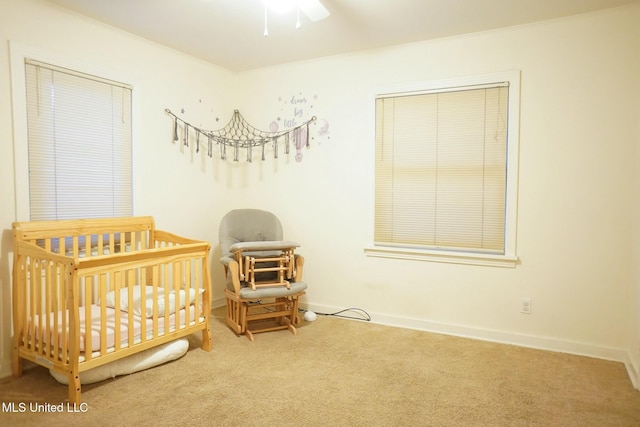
(206, 338)
(16, 364)
(74, 387)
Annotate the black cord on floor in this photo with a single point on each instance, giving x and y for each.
(364, 314)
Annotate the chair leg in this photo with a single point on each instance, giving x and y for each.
(295, 319)
(293, 329)
(234, 314)
(244, 313)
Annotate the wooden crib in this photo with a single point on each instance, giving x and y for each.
(88, 292)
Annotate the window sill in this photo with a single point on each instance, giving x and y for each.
(492, 260)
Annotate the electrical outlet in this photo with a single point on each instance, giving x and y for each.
(525, 305)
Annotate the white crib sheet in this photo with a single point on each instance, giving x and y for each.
(110, 320)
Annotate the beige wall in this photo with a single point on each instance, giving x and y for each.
(579, 134)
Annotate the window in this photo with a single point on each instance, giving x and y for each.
(79, 144)
(445, 160)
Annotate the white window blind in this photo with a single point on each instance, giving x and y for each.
(79, 138)
(441, 169)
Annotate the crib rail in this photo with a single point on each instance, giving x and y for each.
(80, 238)
(175, 298)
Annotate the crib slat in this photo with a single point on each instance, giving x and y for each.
(187, 290)
(88, 337)
(116, 288)
(177, 270)
(35, 306)
(75, 246)
(64, 309)
(87, 246)
(47, 346)
(130, 331)
(102, 286)
(156, 285)
(55, 309)
(111, 243)
(154, 300)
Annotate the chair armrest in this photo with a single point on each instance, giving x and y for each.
(225, 260)
(232, 268)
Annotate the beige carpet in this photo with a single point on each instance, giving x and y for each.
(338, 372)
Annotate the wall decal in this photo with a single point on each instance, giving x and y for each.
(293, 110)
(239, 136)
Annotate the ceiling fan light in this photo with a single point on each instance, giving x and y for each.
(313, 9)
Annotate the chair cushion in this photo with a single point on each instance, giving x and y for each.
(272, 291)
(248, 225)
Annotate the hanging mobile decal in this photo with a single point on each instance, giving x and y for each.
(239, 134)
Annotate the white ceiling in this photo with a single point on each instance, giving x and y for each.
(229, 33)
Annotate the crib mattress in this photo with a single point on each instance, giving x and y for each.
(110, 326)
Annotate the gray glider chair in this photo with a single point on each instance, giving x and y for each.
(263, 273)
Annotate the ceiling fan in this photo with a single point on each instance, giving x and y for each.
(313, 9)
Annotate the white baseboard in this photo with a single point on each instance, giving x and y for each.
(530, 341)
(218, 302)
(633, 369)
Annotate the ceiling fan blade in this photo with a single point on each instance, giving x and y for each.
(314, 10)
